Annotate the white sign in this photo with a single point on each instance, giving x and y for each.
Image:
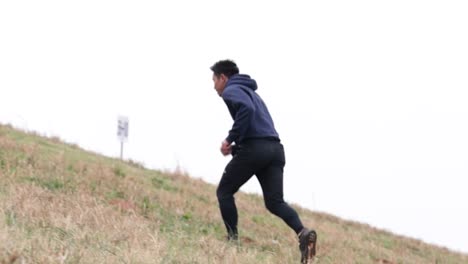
(122, 128)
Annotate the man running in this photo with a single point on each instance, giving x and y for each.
(257, 150)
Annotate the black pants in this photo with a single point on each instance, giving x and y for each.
(265, 159)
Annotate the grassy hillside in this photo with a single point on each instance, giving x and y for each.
(61, 204)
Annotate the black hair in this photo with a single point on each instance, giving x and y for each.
(226, 67)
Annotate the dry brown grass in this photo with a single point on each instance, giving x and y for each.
(60, 204)
(45, 227)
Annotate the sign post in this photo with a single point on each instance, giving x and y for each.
(122, 132)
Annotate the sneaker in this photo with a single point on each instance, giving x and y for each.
(232, 238)
(307, 243)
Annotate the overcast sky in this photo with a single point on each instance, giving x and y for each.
(369, 97)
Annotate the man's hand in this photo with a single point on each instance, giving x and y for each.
(225, 148)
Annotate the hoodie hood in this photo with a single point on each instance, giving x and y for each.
(247, 109)
(242, 79)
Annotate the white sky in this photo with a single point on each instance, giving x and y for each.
(369, 97)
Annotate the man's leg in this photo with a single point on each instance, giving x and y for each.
(271, 180)
(238, 171)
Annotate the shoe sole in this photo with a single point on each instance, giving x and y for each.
(312, 242)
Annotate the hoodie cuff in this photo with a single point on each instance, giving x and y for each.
(230, 139)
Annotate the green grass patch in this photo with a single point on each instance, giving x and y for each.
(10, 218)
(2, 163)
(162, 183)
(114, 194)
(52, 184)
(119, 172)
(147, 206)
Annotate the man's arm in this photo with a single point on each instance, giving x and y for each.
(243, 107)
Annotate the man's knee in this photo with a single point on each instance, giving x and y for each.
(273, 205)
(223, 194)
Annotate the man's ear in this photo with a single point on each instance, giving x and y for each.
(224, 77)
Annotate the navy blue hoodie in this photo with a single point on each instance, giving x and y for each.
(249, 112)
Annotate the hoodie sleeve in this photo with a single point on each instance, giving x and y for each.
(241, 107)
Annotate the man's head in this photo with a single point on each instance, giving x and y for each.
(222, 71)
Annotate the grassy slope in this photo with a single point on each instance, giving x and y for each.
(61, 204)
